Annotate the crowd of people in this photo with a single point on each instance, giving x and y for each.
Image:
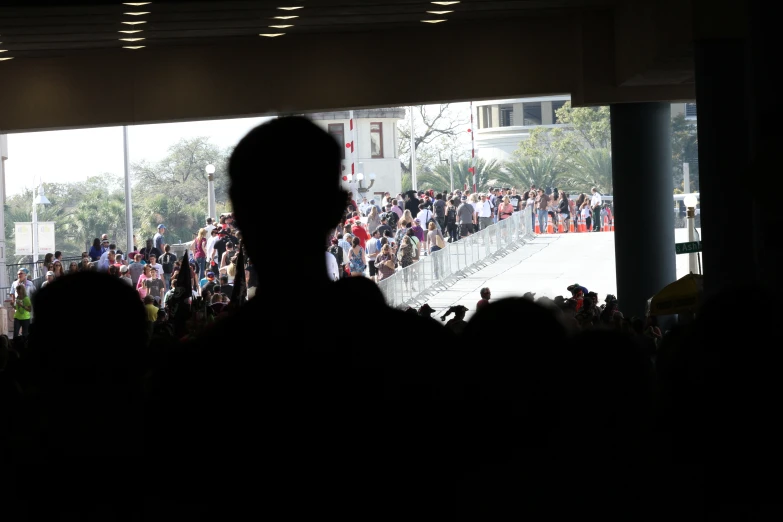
(153, 271)
(283, 406)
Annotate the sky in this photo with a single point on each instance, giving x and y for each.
(68, 156)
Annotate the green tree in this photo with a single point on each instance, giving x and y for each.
(586, 169)
(487, 174)
(436, 132)
(523, 171)
(584, 128)
(685, 149)
(182, 220)
(182, 172)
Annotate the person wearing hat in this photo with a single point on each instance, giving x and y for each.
(426, 311)
(125, 275)
(208, 278)
(49, 278)
(158, 240)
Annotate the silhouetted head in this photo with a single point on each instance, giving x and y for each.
(274, 148)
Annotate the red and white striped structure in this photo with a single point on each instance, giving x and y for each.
(472, 168)
(352, 128)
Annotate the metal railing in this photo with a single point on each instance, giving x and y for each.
(439, 270)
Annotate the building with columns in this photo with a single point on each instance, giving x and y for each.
(376, 166)
(502, 124)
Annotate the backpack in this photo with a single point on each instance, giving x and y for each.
(167, 262)
(337, 252)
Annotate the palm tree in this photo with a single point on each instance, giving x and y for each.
(524, 171)
(439, 179)
(590, 168)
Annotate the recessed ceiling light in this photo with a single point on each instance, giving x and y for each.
(433, 21)
(271, 35)
(284, 17)
(135, 23)
(6, 59)
(132, 39)
(136, 4)
(137, 13)
(134, 31)
(439, 12)
(3, 50)
(133, 46)
(452, 2)
(280, 26)
(291, 8)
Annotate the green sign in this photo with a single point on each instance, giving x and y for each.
(687, 248)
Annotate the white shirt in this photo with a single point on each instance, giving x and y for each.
(424, 215)
(209, 229)
(595, 199)
(211, 247)
(332, 270)
(29, 286)
(103, 262)
(484, 209)
(157, 267)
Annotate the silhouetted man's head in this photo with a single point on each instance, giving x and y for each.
(294, 147)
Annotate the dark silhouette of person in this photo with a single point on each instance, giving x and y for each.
(280, 387)
(80, 444)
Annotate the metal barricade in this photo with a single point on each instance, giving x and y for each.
(442, 268)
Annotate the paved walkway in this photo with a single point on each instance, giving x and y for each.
(547, 265)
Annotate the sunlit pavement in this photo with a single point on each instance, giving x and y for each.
(547, 265)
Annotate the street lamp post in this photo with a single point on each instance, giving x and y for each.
(39, 199)
(211, 191)
(451, 172)
(694, 264)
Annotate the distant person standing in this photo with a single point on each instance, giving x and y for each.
(595, 203)
(485, 296)
(159, 240)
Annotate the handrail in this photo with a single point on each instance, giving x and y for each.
(443, 268)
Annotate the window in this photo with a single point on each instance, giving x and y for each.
(486, 112)
(555, 106)
(690, 110)
(376, 140)
(506, 115)
(531, 113)
(337, 131)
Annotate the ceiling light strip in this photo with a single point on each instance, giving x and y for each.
(135, 23)
(451, 2)
(132, 39)
(134, 47)
(137, 13)
(439, 12)
(132, 32)
(280, 26)
(6, 58)
(433, 21)
(271, 35)
(291, 8)
(136, 4)
(289, 17)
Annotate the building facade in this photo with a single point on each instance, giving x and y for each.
(377, 168)
(502, 124)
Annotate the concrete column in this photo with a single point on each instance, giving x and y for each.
(726, 216)
(3, 156)
(495, 116)
(642, 179)
(546, 113)
(519, 116)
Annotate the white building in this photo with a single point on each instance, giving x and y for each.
(375, 149)
(502, 124)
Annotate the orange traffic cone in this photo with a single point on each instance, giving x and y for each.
(581, 226)
(606, 224)
(538, 229)
(550, 228)
(612, 226)
(560, 227)
(571, 226)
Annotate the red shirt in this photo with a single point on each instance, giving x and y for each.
(360, 232)
(482, 303)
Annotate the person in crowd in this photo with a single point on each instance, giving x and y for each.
(485, 296)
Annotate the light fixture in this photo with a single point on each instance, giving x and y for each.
(210, 169)
(350, 177)
(291, 8)
(6, 59)
(451, 2)
(136, 4)
(132, 39)
(439, 12)
(131, 32)
(280, 26)
(135, 23)
(289, 17)
(137, 13)
(433, 21)
(691, 201)
(133, 46)
(3, 50)
(372, 176)
(359, 176)
(271, 35)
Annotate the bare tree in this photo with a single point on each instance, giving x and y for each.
(436, 130)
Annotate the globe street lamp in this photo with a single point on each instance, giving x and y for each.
(39, 199)
(211, 190)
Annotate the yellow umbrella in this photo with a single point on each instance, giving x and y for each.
(683, 295)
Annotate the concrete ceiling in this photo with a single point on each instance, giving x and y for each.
(64, 65)
(42, 28)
